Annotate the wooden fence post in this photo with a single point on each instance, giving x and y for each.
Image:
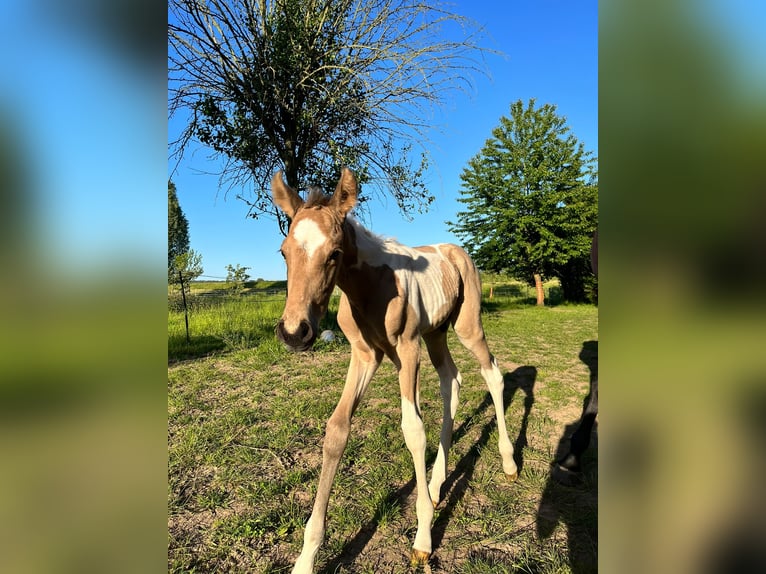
(186, 310)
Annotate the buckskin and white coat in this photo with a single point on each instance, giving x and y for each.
(392, 295)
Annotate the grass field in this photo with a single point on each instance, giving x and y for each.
(245, 428)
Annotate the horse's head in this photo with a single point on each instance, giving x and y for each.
(313, 250)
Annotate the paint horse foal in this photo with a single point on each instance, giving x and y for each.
(392, 296)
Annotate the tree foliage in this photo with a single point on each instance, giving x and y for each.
(531, 197)
(178, 227)
(185, 269)
(309, 86)
(237, 276)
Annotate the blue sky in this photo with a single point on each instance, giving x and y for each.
(90, 124)
(90, 133)
(551, 54)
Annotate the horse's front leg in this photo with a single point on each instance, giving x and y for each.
(415, 438)
(364, 363)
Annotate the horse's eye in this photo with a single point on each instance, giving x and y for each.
(334, 256)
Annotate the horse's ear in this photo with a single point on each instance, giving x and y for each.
(285, 197)
(344, 198)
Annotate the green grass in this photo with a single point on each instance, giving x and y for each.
(228, 322)
(246, 421)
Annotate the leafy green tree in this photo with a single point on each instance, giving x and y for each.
(237, 276)
(185, 269)
(178, 227)
(309, 86)
(531, 198)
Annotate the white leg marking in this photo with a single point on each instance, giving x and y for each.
(312, 540)
(494, 380)
(415, 438)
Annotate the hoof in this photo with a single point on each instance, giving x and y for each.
(565, 476)
(512, 477)
(435, 503)
(569, 462)
(419, 558)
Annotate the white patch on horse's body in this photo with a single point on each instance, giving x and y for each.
(428, 279)
(372, 248)
(309, 236)
(433, 287)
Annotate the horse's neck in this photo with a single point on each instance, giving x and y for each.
(364, 273)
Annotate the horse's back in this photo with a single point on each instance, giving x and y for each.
(445, 274)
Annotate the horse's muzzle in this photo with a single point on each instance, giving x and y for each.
(300, 340)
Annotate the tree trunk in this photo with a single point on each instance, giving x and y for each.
(291, 165)
(539, 289)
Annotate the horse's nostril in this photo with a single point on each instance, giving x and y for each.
(299, 339)
(306, 331)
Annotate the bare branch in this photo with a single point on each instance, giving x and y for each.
(304, 85)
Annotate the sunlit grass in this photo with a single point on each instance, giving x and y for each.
(228, 322)
(246, 421)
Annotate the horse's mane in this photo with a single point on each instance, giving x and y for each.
(367, 239)
(316, 198)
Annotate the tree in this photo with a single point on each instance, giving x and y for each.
(185, 269)
(532, 201)
(309, 86)
(237, 276)
(178, 227)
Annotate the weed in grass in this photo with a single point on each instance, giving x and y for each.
(212, 499)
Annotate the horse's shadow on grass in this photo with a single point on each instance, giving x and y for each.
(456, 485)
(570, 498)
(523, 379)
(574, 505)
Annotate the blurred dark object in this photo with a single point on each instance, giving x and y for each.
(739, 544)
(570, 464)
(134, 30)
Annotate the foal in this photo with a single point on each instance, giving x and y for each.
(392, 296)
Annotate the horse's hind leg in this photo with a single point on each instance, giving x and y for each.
(449, 384)
(471, 334)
